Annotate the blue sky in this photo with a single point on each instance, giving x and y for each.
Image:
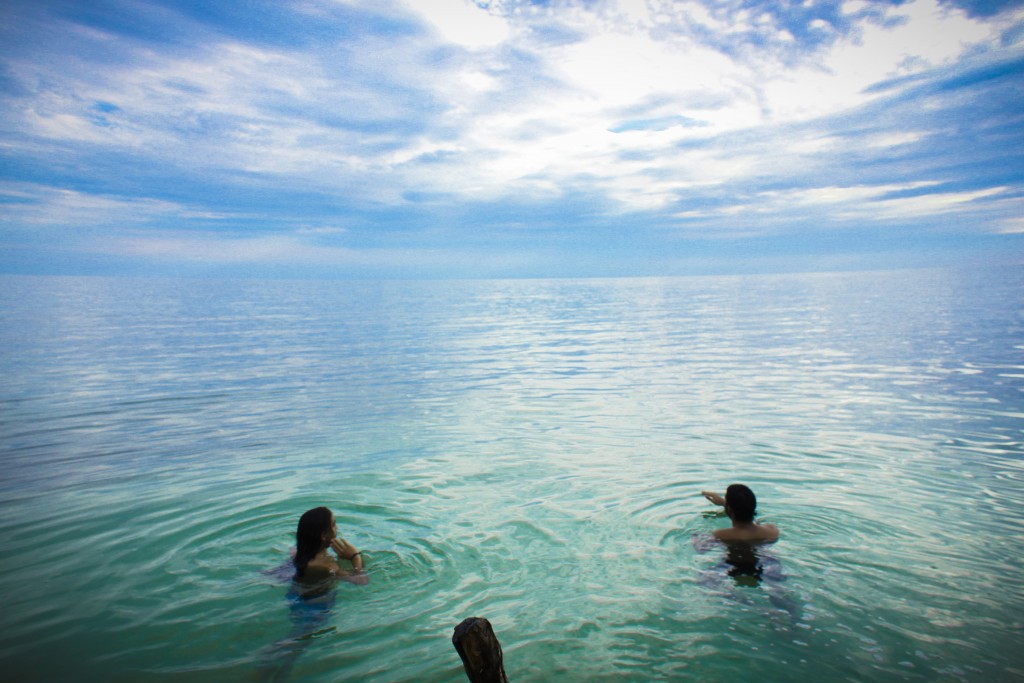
(439, 138)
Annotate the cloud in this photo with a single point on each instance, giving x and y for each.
(1012, 226)
(462, 23)
(290, 254)
(35, 206)
(322, 130)
(608, 68)
(882, 202)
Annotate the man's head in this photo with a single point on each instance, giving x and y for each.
(740, 503)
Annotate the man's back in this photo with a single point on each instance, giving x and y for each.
(748, 532)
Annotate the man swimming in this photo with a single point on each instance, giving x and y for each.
(741, 506)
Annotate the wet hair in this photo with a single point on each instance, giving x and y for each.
(742, 503)
(309, 536)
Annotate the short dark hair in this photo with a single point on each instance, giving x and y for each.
(742, 502)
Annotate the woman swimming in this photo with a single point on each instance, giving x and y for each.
(313, 589)
(318, 531)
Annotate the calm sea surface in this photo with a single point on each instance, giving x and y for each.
(527, 451)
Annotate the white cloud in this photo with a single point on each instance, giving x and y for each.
(613, 65)
(854, 7)
(321, 230)
(842, 195)
(894, 139)
(1012, 226)
(926, 35)
(494, 129)
(211, 250)
(557, 136)
(41, 206)
(461, 22)
(861, 204)
(224, 250)
(932, 204)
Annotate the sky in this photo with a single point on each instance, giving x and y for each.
(511, 138)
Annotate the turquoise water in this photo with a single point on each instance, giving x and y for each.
(527, 451)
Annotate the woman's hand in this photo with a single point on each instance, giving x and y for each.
(342, 548)
(347, 551)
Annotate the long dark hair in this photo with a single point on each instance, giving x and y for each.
(309, 536)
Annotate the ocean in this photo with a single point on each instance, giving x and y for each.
(528, 451)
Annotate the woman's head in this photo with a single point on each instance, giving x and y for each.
(740, 503)
(314, 533)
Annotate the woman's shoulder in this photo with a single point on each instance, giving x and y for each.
(322, 566)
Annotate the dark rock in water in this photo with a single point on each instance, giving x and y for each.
(480, 651)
